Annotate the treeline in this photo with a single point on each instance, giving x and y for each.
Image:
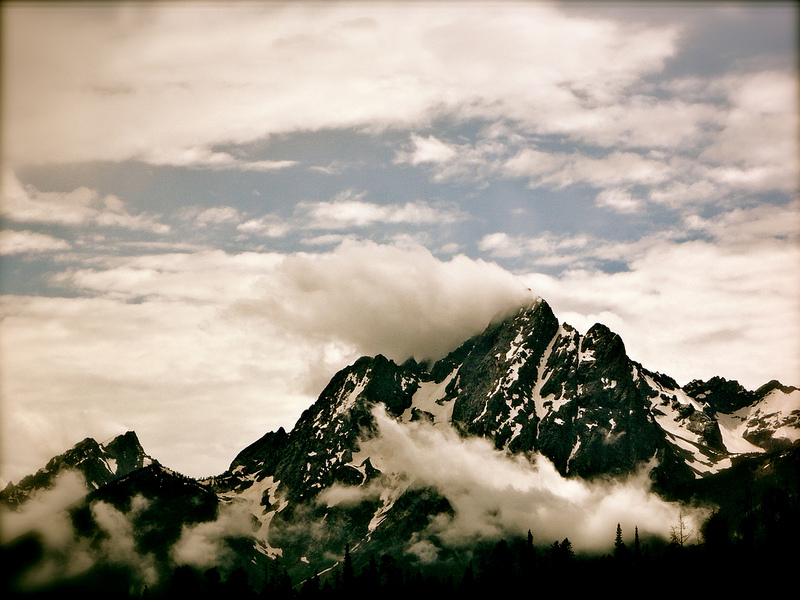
(718, 565)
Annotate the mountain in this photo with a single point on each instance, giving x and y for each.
(99, 464)
(423, 464)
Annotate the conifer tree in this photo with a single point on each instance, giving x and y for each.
(619, 546)
(348, 574)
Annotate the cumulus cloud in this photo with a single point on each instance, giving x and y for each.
(348, 210)
(562, 170)
(495, 494)
(384, 299)
(270, 226)
(619, 200)
(428, 150)
(547, 248)
(756, 147)
(472, 162)
(217, 215)
(264, 329)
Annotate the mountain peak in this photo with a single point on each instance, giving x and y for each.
(98, 463)
(532, 387)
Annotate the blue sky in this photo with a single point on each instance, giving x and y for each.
(208, 209)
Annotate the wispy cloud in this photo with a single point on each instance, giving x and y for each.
(23, 242)
(411, 61)
(82, 206)
(349, 210)
(265, 328)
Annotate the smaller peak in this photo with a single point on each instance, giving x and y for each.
(774, 385)
(128, 437)
(86, 444)
(599, 330)
(127, 440)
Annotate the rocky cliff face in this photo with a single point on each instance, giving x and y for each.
(528, 385)
(99, 464)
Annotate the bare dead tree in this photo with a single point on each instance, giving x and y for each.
(680, 533)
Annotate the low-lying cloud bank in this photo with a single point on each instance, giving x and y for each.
(64, 553)
(496, 495)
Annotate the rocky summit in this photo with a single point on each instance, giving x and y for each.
(374, 467)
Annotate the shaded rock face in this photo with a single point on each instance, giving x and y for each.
(99, 464)
(721, 395)
(528, 384)
(531, 384)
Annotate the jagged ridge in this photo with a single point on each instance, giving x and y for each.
(528, 383)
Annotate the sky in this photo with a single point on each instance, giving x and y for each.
(208, 209)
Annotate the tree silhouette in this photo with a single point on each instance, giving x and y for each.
(680, 533)
(620, 550)
(348, 573)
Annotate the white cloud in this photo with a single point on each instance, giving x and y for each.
(694, 310)
(203, 338)
(203, 158)
(619, 200)
(43, 512)
(22, 242)
(82, 206)
(217, 215)
(428, 150)
(97, 367)
(643, 121)
(268, 225)
(203, 546)
(690, 309)
(454, 162)
(167, 83)
(546, 248)
(758, 129)
(495, 495)
(562, 170)
(348, 210)
(65, 554)
(384, 299)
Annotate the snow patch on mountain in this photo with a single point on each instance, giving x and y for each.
(431, 398)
